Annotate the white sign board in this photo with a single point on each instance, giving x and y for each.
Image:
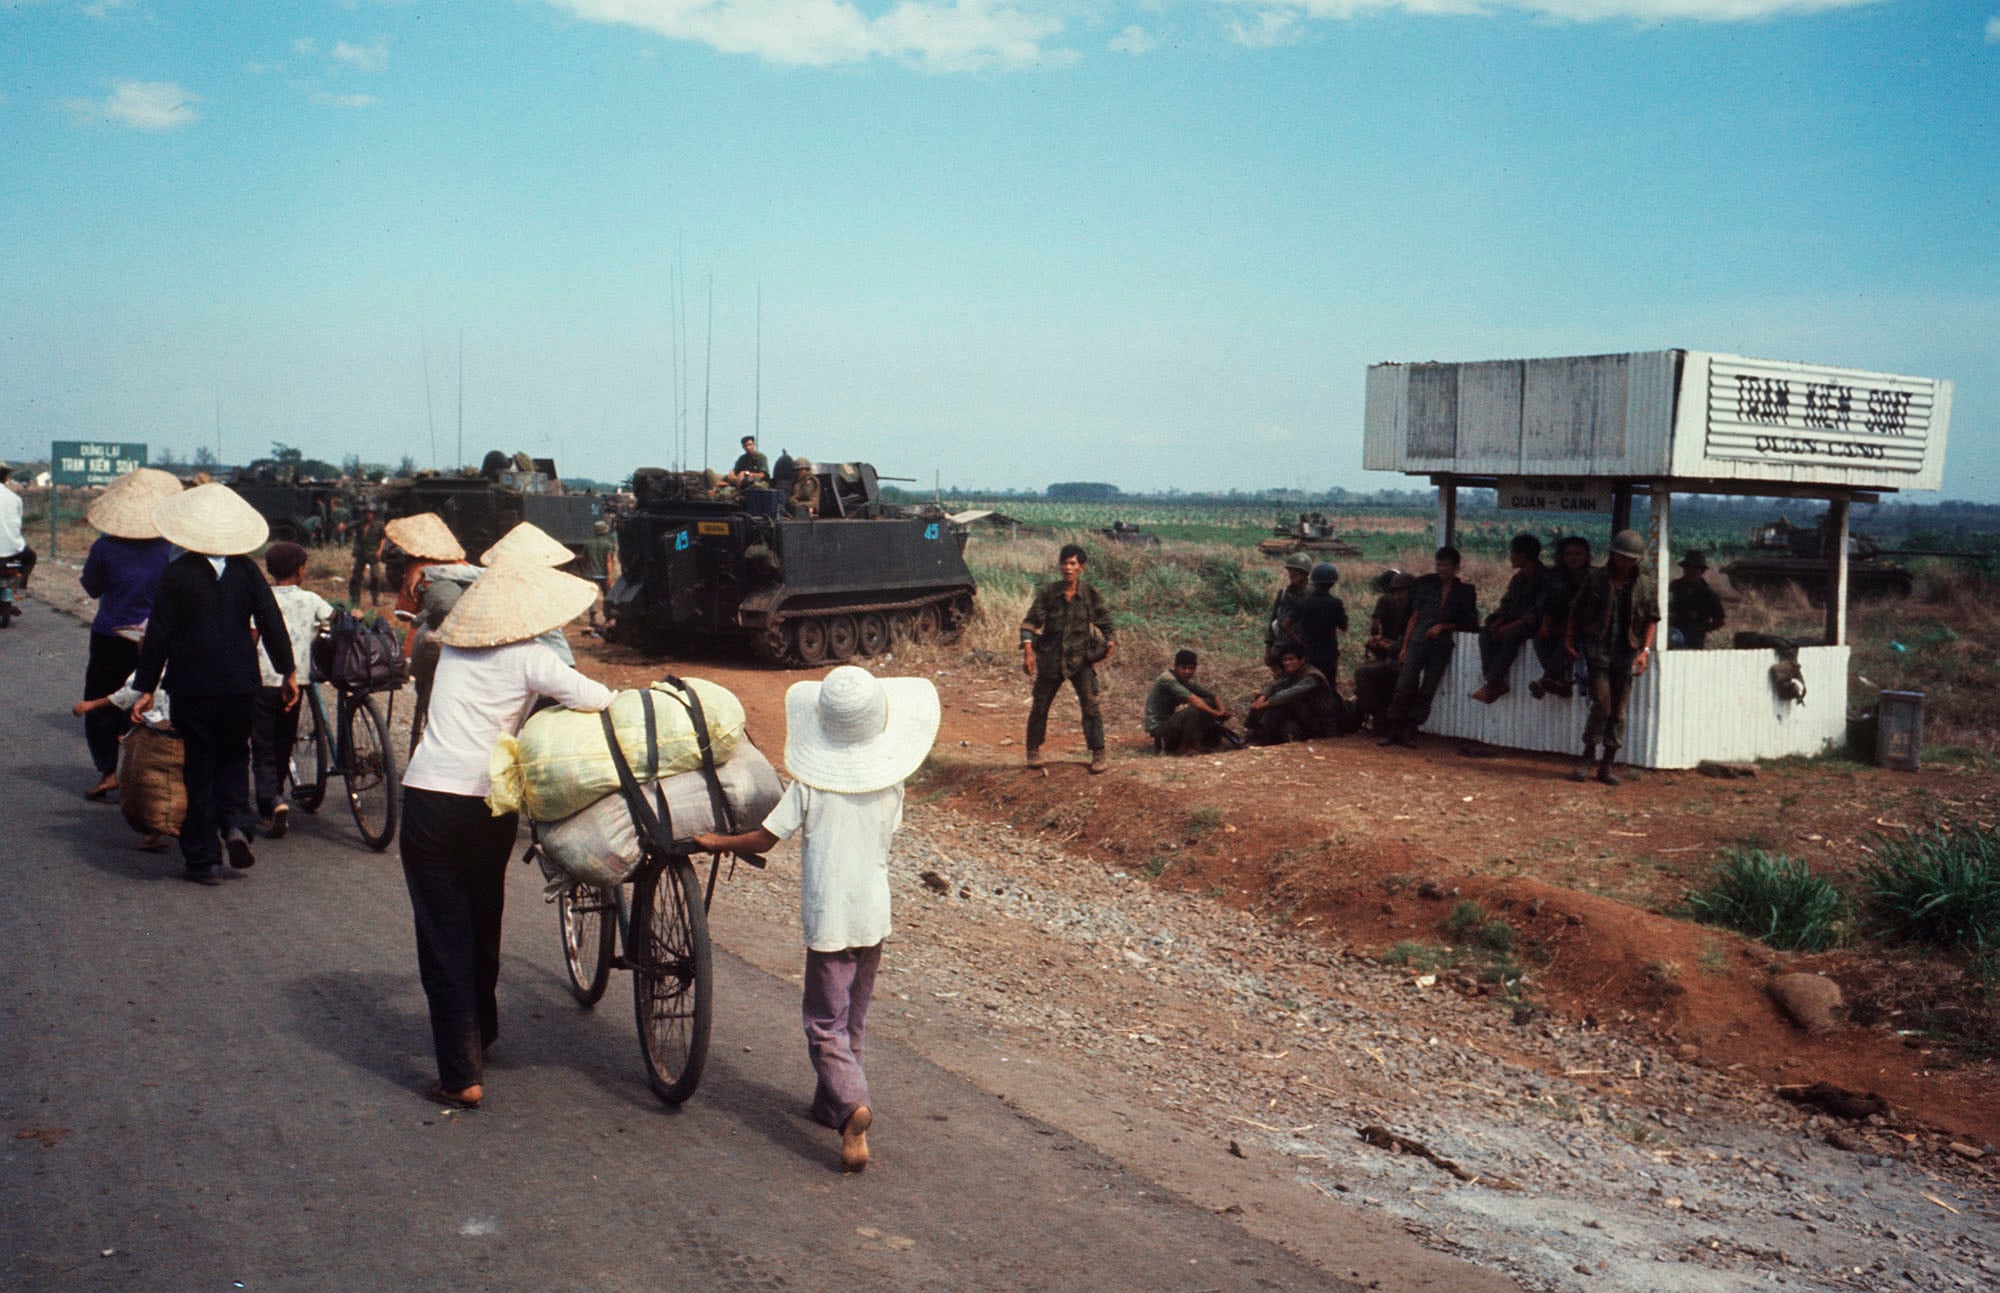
(1554, 494)
(1793, 413)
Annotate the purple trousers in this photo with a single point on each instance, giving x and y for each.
(838, 988)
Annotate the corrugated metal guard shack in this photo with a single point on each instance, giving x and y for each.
(1585, 435)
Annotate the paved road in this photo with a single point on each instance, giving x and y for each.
(218, 1088)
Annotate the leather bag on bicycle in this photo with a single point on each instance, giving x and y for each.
(354, 657)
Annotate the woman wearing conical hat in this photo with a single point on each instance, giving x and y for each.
(199, 643)
(490, 669)
(122, 571)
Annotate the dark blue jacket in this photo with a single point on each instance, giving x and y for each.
(122, 574)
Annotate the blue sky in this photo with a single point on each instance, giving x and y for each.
(1002, 243)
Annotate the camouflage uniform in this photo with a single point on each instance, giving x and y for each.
(1298, 707)
(1610, 628)
(1065, 632)
(367, 558)
(1174, 723)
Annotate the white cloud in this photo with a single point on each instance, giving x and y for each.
(304, 45)
(344, 100)
(1993, 31)
(257, 67)
(101, 9)
(142, 105)
(964, 35)
(1270, 28)
(362, 58)
(1133, 40)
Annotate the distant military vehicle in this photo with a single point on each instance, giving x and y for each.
(1781, 553)
(701, 566)
(479, 507)
(1126, 532)
(298, 511)
(1312, 532)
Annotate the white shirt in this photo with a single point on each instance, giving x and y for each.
(304, 611)
(159, 716)
(481, 695)
(844, 888)
(11, 541)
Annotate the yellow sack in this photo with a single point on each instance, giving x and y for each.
(560, 763)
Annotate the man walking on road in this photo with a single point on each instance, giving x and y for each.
(1065, 635)
(199, 639)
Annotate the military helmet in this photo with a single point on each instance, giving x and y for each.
(1402, 579)
(1300, 562)
(601, 527)
(1629, 543)
(1326, 574)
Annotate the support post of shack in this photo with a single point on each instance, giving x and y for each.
(1583, 435)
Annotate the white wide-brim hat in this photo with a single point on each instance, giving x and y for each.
(125, 509)
(211, 519)
(513, 602)
(854, 732)
(527, 542)
(424, 536)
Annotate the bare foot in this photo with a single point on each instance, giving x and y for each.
(102, 788)
(465, 1098)
(854, 1140)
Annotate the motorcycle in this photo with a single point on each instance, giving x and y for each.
(13, 575)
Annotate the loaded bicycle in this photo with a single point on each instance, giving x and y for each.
(654, 924)
(352, 742)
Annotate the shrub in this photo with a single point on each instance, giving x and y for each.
(1468, 923)
(1772, 898)
(1940, 887)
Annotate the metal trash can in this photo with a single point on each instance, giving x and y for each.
(1899, 736)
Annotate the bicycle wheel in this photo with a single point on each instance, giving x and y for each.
(368, 761)
(312, 754)
(672, 983)
(587, 915)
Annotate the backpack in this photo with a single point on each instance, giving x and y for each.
(360, 657)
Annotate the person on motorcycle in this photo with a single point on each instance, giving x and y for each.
(14, 549)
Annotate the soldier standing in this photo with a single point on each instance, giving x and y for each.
(1612, 628)
(1693, 609)
(1065, 633)
(368, 540)
(1297, 567)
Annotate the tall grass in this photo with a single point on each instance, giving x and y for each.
(1772, 898)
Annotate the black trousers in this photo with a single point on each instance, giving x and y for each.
(1425, 664)
(273, 728)
(111, 661)
(215, 737)
(455, 866)
(1497, 651)
(1187, 728)
(1374, 685)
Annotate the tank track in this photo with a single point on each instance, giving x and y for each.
(810, 637)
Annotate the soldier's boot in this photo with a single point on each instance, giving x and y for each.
(1604, 772)
(1034, 756)
(1098, 761)
(1581, 772)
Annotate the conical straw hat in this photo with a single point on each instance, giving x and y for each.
(125, 509)
(211, 519)
(527, 542)
(515, 601)
(424, 535)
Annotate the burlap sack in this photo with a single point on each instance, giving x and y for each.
(150, 791)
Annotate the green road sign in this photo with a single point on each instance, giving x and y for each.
(92, 462)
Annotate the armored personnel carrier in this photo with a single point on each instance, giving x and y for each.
(1781, 553)
(1310, 533)
(298, 511)
(701, 566)
(481, 506)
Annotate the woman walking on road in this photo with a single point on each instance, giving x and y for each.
(122, 572)
(490, 669)
(199, 642)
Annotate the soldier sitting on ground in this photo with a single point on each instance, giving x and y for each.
(1298, 704)
(1693, 609)
(1515, 620)
(1181, 714)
